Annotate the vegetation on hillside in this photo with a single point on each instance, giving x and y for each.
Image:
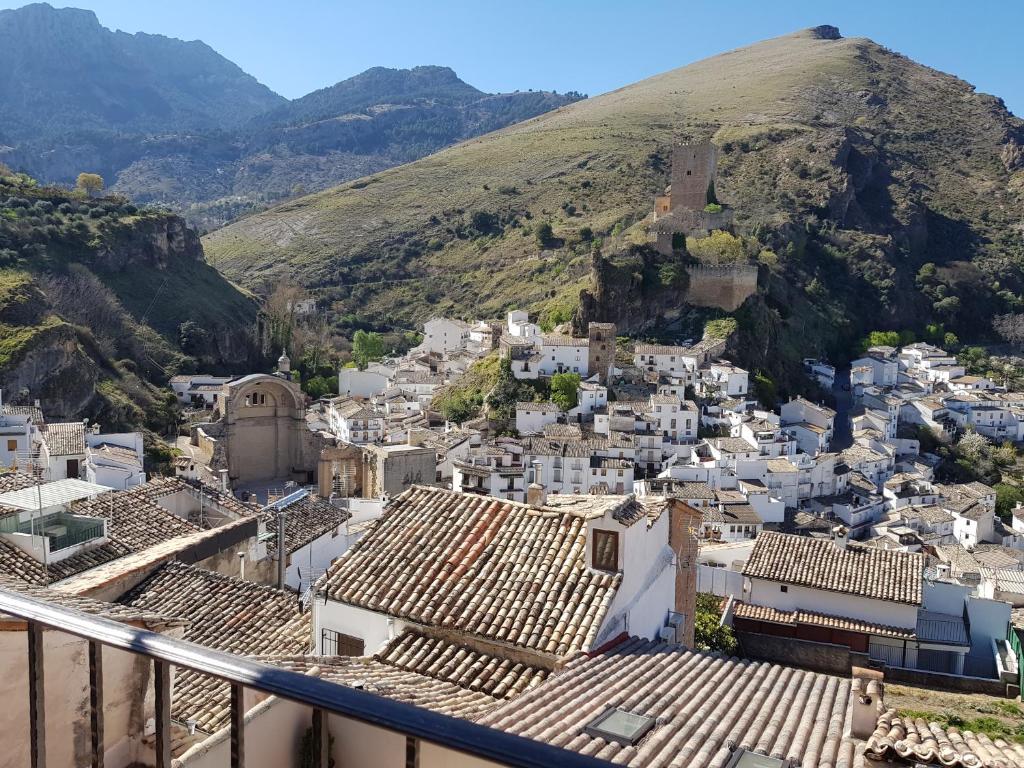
(115, 298)
(873, 193)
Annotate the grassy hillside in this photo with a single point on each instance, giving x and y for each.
(853, 164)
(101, 301)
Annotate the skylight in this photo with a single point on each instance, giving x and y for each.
(742, 758)
(619, 725)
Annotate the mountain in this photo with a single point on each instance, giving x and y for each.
(65, 74)
(174, 123)
(101, 301)
(869, 190)
(375, 120)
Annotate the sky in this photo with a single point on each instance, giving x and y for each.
(591, 46)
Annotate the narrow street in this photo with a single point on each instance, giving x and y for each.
(842, 436)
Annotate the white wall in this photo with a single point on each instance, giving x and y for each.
(316, 557)
(127, 700)
(372, 627)
(763, 592)
(356, 383)
(273, 738)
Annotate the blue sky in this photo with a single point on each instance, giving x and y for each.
(586, 45)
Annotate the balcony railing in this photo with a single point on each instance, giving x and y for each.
(323, 697)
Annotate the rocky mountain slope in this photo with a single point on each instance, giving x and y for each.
(852, 168)
(100, 301)
(174, 123)
(65, 74)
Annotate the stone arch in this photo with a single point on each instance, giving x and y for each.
(264, 424)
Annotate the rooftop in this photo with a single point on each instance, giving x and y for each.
(480, 565)
(699, 705)
(821, 564)
(226, 614)
(65, 438)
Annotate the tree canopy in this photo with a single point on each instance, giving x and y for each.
(90, 183)
(565, 390)
(367, 346)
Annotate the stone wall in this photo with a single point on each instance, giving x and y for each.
(820, 657)
(725, 286)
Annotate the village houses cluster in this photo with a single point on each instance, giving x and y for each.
(529, 583)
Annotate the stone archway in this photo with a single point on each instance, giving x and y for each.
(264, 419)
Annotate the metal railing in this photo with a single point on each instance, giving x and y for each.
(323, 697)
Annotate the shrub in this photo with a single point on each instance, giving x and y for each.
(544, 233)
(722, 328)
(717, 248)
(712, 208)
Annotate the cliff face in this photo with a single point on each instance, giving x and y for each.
(101, 302)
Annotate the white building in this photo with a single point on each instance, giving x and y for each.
(114, 460)
(441, 335)
(198, 389)
(610, 558)
(355, 383)
(354, 422)
(809, 424)
(531, 418)
(564, 354)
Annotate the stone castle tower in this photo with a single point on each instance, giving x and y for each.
(601, 356)
(693, 174)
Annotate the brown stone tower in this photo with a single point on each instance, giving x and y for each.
(693, 172)
(601, 355)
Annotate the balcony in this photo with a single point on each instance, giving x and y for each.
(62, 534)
(429, 739)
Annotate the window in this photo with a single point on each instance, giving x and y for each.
(620, 726)
(606, 550)
(12, 445)
(783, 588)
(336, 644)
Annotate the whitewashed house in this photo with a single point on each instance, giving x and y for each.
(441, 335)
(531, 418)
(354, 422)
(809, 424)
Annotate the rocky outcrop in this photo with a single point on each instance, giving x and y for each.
(152, 241)
(54, 368)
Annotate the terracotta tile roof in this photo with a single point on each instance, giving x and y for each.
(702, 704)
(114, 611)
(735, 514)
(134, 522)
(775, 616)
(134, 519)
(371, 675)
(19, 564)
(226, 614)
(305, 520)
(480, 565)
(820, 564)
(461, 665)
(916, 741)
(160, 487)
(117, 453)
(15, 481)
(24, 410)
(65, 438)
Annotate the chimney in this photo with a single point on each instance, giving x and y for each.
(536, 495)
(865, 705)
(683, 523)
(841, 537)
(241, 566)
(223, 480)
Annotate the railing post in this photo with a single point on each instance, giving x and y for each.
(96, 702)
(321, 739)
(237, 726)
(162, 690)
(36, 698)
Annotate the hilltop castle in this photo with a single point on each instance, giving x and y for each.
(689, 205)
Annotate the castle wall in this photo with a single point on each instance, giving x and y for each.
(723, 286)
(693, 170)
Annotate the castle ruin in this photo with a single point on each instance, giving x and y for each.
(682, 210)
